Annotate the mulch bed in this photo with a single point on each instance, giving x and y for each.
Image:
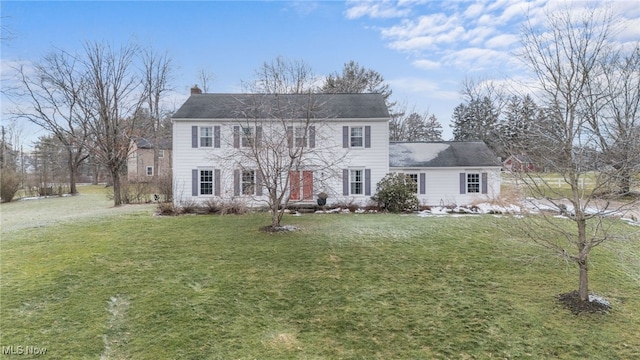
(571, 301)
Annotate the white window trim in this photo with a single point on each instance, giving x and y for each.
(146, 170)
(352, 182)
(300, 141)
(417, 182)
(252, 184)
(351, 137)
(200, 136)
(247, 141)
(200, 170)
(478, 183)
(160, 153)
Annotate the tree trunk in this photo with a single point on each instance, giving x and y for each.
(115, 177)
(583, 285)
(583, 257)
(73, 173)
(96, 174)
(625, 182)
(276, 215)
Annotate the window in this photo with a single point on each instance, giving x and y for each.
(301, 136)
(149, 170)
(473, 183)
(206, 136)
(412, 180)
(248, 182)
(356, 137)
(356, 180)
(247, 136)
(160, 153)
(206, 182)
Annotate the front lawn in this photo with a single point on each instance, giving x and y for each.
(343, 286)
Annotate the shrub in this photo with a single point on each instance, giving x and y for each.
(396, 193)
(166, 208)
(211, 206)
(164, 187)
(235, 206)
(9, 184)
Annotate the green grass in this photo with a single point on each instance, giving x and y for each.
(553, 185)
(131, 285)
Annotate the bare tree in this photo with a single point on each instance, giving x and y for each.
(283, 76)
(112, 96)
(356, 79)
(53, 89)
(156, 79)
(568, 56)
(206, 77)
(397, 124)
(280, 149)
(612, 110)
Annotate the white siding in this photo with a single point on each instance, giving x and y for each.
(443, 185)
(328, 144)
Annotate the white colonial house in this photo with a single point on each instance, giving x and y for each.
(344, 137)
(217, 139)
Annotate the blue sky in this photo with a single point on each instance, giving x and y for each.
(423, 49)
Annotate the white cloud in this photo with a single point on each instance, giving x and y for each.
(474, 11)
(426, 64)
(476, 36)
(415, 43)
(502, 41)
(476, 59)
(630, 30)
(302, 8)
(414, 84)
(376, 9)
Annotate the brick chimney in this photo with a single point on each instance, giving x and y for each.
(195, 90)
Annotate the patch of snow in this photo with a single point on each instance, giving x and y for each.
(417, 152)
(598, 299)
(289, 228)
(33, 198)
(630, 221)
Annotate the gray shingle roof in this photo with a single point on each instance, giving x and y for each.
(163, 144)
(441, 154)
(264, 106)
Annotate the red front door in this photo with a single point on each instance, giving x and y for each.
(307, 185)
(301, 188)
